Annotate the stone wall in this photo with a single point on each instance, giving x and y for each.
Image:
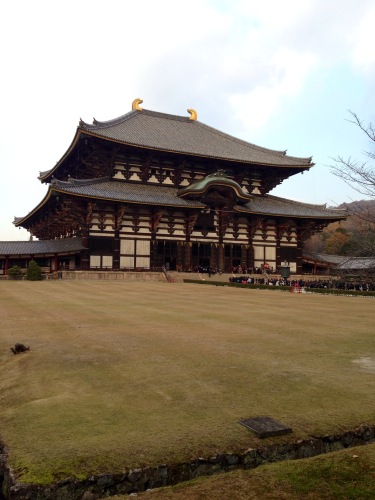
(137, 480)
(111, 275)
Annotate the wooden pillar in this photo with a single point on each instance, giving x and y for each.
(85, 228)
(220, 248)
(279, 230)
(153, 251)
(244, 257)
(187, 256)
(190, 221)
(213, 258)
(179, 258)
(155, 218)
(56, 262)
(85, 257)
(6, 264)
(116, 251)
(220, 257)
(250, 257)
(299, 250)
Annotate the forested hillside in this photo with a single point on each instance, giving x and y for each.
(354, 237)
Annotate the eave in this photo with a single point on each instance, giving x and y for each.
(47, 175)
(298, 168)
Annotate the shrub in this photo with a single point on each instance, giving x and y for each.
(15, 273)
(34, 272)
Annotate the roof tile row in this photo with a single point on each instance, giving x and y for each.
(167, 196)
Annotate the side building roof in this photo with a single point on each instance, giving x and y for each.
(324, 258)
(43, 247)
(355, 263)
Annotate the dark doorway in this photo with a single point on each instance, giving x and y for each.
(166, 255)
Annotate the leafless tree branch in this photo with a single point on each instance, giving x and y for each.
(358, 175)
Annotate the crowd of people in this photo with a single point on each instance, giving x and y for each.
(265, 268)
(246, 276)
(308, 283)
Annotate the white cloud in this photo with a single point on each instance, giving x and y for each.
(287, 73)
(361, 40)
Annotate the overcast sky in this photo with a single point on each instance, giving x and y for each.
(280, 74)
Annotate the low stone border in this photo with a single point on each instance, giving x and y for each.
(137, 480)
(112, 275)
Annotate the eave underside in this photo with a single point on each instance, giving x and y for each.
(93, 157)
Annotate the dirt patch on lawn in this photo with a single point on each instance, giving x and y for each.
(366, 363)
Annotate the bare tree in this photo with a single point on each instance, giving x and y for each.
(359, 175)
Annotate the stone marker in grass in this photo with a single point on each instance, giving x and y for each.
(265, 426)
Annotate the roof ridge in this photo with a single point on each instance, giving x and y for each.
(127, 116)
(322, 205)
(107, 123)
(167, 116)
(78, 182)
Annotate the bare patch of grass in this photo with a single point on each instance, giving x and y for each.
(122, 375)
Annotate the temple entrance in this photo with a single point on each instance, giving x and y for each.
(201, 255)
(166, 254)
(232, 257)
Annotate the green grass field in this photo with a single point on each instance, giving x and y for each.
(132, 374)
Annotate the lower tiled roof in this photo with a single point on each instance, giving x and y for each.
(272, 205)
(167, 196)
(42, 247)
(126, 192)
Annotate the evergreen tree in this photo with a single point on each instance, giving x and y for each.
(15, 273)
(34, 272)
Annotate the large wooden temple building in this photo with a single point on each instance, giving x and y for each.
(150, 190)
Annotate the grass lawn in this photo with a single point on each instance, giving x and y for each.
(131, 374)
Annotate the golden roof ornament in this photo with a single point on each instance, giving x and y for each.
(136, 104)
(193, 114)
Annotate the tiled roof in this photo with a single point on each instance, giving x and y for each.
(322, 257)
(65, 245)
(126, 192)
(358, 263)
(164, 132)
(272, 205)
(167, 196)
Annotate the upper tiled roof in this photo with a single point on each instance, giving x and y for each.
(65, 245)
(164, 132)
